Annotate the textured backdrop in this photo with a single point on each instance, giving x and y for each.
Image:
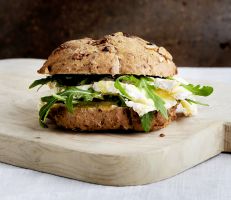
(196, 32)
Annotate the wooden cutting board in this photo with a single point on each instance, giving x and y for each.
(107, 158)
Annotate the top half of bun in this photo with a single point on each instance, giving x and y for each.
(113, 54)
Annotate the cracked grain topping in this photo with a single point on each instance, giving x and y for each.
(117, 53)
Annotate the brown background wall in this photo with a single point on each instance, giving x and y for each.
(196, 32)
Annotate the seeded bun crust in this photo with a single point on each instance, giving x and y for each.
(114, 54)
(101, 118)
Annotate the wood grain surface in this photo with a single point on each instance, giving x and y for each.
(106, 158)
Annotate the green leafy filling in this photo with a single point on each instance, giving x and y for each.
(143, 83)
(146, 121)
(199, 90)
(196, 102)
(41, 81)
(70, 95)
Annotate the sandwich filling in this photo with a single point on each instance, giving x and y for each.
(144, 94)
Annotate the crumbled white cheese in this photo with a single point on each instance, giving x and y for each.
(170, 92)
(187, 108)
(105, 87)
(140, 108)
(84, 87)
(165, 84)
(180, 93)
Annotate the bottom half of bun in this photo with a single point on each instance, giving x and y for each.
(103, 117)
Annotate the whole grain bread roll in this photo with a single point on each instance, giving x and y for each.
(113, 54)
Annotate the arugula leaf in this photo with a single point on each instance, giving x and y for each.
(158, 102)
(45, 110)
(68, 80)
(84, 81)
(130, 79)
(119, 86)
(59, 97)
(198, 90)
(196, 102)
(122, 101)
(146, 121)
(69, 103)
(41, 81)
(170, 78)
(69, 96)
(46, 98)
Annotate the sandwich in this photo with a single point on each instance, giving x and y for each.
(118, 82)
